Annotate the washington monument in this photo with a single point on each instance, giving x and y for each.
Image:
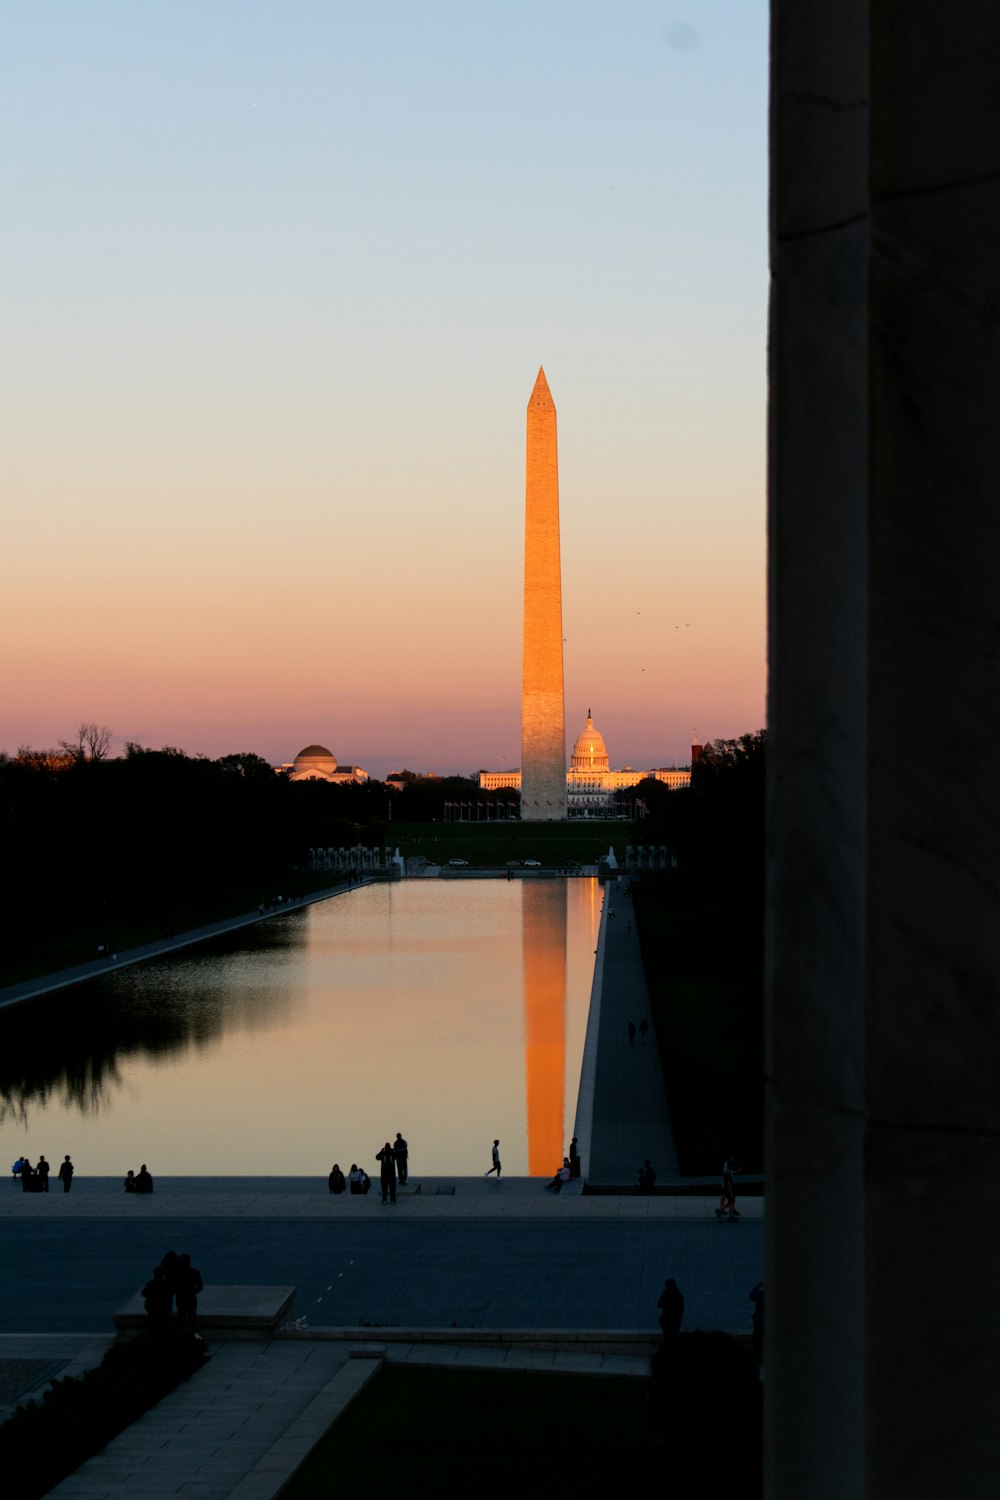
(543, 725)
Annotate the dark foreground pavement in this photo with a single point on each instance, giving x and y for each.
(71, 1276)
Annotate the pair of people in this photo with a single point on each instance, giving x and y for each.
(358, 1179)
(647, 1177)
(138, 1183)
(33, 1179)
(175, 1279)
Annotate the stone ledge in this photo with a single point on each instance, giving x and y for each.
(224, 1312)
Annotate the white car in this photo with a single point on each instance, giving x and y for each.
(532, 864)
(458, 861)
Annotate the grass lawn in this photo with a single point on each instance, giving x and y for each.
(702, 949)
(483, 1433)
(491, 845)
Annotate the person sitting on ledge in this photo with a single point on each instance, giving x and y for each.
(336, 1180)
(563, 1175)
(129, 1183)
(143, 1183)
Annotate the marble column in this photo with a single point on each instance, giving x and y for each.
(816, 753)
(933, 991)
(884, 796)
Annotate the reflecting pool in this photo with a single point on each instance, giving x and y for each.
(452, 1011)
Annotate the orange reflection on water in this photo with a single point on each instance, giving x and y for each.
(543, 929)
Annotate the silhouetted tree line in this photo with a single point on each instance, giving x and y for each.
(87, 839)
(701, 928)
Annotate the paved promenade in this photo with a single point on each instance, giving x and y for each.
(476, 1258)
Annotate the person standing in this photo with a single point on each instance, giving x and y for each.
(144, 1182)
(387, 1172)
(335, 1181)
(574, 1158)
(496, 1161)
(27, 1177)
(643, 1029)
(757, 1322)
(66, 1174)
(671, 1305)
(187, 1285)
(157, 1300)
(42, 1173)
(402, 1154)
(631, 1033)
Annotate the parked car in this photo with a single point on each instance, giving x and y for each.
(532, 864)
(458, 861)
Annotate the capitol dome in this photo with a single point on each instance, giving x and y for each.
(315, 760)
(590, 752)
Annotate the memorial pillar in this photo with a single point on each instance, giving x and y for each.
(933, 994)
(814, 1382)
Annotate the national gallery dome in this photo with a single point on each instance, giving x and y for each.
(316, 761)
(590, 752)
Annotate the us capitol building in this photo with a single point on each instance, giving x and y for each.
(590, 782)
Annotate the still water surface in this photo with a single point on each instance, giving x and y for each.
(452, 1011)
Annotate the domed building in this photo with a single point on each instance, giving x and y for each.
(590, 782)
(590, 752)
(317, 763)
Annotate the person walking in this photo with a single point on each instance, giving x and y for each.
(42, 1173)
(671, 1305)
(496, 1161)
(402, 1154)
(66, 1174)
(387, 1172)
(727, 1201)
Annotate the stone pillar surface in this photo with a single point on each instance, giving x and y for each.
(933, 1001)
(814, 1389)
(543, 724)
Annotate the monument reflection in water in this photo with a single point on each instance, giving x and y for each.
(453, 1011)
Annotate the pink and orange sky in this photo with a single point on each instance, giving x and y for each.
(277, 287)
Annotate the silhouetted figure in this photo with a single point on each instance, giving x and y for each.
(402, 1154)
(563, 1175)
(496, 1161)
(574, 1158)
(355, 1177)
(647, 1177)
(757, 1321)
(170, 1266)
(16, 1167)
(66, 1174)
(387, 1172)
(631, 1033)
(42, 1173)
(157, 1300)
(643, 1029)
(727, 1201)
(336, 1180)
(671, 1305)
(129, 1183)
(188, 1285)
(28, 1184)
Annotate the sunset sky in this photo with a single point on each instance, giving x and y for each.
(278, 278)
